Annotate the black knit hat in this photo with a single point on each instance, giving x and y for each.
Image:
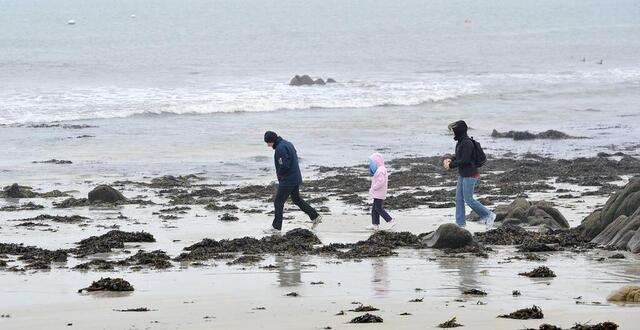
(270, 137)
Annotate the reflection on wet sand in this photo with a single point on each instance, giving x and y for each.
(380, 277)
(464, 268)
(289, 271)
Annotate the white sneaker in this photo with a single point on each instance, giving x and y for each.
(491, 218)
(271, 231)
(316, 221)
(391, 224)
(372, 227)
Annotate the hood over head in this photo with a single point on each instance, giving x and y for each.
(378, 159)
(459, 129)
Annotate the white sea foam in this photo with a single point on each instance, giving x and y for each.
(37, 105)
(61, 105)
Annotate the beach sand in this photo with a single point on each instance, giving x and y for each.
(216, 295)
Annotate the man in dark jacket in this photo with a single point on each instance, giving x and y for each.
(289, 180)
(468, 175)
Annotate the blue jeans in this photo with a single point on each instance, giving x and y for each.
(464, 194)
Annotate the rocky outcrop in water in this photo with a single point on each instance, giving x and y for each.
(526, 135)
(305, 80)
(617, 224)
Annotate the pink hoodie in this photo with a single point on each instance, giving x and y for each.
(380, 180)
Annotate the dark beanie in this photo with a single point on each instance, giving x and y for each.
(270, 137)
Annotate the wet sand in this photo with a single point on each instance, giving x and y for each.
(227, 297)
(212, 294)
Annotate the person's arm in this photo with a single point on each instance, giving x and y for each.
(377, 182)
(284, 161)
(466, 155)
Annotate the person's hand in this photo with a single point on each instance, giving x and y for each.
(445, 163)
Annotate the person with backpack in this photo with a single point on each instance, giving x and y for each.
(289, 180)
(468, 158)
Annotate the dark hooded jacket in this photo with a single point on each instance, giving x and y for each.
(286, 161)
(465, 152)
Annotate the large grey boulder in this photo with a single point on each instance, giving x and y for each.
(517, 209)
(448, 236)
(541, 213)
(624, 202)
(105, 194)
(623, 233)
(617, 224)
(634, 243)
(523, 212)
(612, 230)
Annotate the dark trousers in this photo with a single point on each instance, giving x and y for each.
(377, 210)
(281, 197)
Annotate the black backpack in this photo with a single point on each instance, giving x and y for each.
(479, 158)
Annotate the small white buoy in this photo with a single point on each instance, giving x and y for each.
(71, 22)
(133, 16)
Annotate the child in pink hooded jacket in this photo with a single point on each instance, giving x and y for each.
(378, 192)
